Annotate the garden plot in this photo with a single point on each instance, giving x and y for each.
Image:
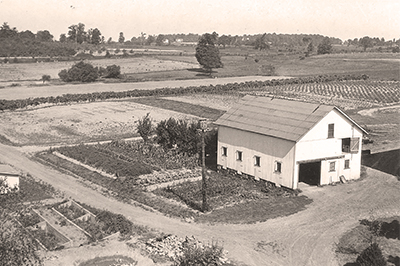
(77, 123)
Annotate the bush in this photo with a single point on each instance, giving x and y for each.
(46, 78)
(144, 127)
(113, 223)
(178, 133)
(371, 256)
(195, 254)
(83, 72)
(112, 71)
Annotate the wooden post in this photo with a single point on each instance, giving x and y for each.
(203, 166)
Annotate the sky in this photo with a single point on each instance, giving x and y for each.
(344, 19)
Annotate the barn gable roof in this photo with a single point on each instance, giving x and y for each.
(279, 118)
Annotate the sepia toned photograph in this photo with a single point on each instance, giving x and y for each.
(199, 133)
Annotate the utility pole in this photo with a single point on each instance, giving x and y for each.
(203, 127)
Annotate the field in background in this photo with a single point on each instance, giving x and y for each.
(238, 61)
(34, 71)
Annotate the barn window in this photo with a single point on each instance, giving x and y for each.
(346, 145)
(257, 161)
(332, 167)
(346, 164)
(278, 167)
(239, 155)
(331, 131)
(224, 151)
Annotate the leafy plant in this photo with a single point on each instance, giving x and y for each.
(81, 71)
(194, 254)
(112, 71)
(144, 127)
(371, 256)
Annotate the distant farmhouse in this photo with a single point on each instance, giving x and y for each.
(287, 142)
(9, 178)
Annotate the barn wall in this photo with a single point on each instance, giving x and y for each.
(316, 145)
(269, 149)
(11, 180)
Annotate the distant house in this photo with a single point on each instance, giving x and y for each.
(9, 177)
(287, 142)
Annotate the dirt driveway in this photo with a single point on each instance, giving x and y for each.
(24, 92)
(305, 238)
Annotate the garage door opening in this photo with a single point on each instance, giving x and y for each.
(310, 173)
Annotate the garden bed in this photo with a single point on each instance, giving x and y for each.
(236, 199)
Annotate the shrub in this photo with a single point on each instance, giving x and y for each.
(81, 71)
(178, 133)
(371, 256)
(46, 78)
(195, 254)
(144, 127)
(112, 71)
(113, 223)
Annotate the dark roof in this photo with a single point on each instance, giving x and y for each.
(8, 170)
(279, 118)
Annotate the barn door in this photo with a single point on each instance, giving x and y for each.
(354, 145)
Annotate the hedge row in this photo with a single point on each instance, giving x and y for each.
(90, 97)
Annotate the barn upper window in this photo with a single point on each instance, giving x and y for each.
(224, 151)
(350, 145)
(278, 167)
(239, 155)
(331, 130)
(257, 160)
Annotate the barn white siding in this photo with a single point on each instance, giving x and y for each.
(315, 145)
(270, 150)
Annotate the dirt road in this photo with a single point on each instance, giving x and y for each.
(305, 238)
(24, 92)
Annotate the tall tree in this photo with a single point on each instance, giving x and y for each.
(28, 35)
(63, 37)
(150, 40)
(44, 36)
(77, 33)
(325, 47)
(94, 36)
(121, 38)
(365, 42)
(261, 43)
(224, 40)
(160, 40)
(7, 32)
(207, 53)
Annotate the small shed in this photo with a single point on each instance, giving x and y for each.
(287, 142)
(8, 176)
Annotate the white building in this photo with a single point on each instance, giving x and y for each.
(8, 176)
(287, 142)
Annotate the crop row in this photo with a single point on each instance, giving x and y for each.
(129, 159)
(362, 90)
(89, 155)
(90, 97)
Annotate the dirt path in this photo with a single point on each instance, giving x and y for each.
(305, 238)
(23, 92)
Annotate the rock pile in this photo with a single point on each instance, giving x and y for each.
(172, 247)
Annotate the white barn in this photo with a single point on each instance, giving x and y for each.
(9, 176)
(287, 142)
